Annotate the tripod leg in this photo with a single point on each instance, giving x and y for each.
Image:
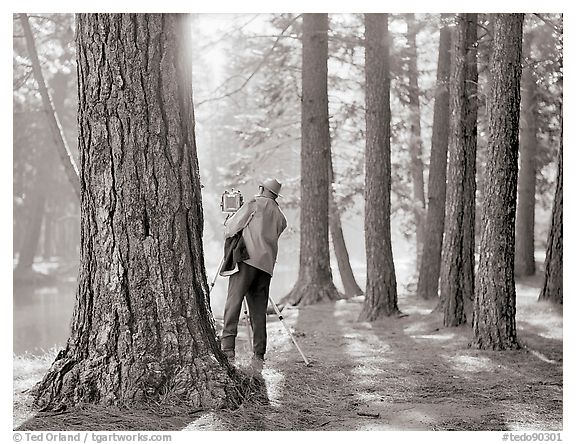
(288, 330)
(215, 276)
(248, 326)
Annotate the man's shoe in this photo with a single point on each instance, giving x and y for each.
(257, 362)
(231, 356)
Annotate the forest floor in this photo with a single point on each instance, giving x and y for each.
(405, 373)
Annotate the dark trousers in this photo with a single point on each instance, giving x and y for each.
(255, 285)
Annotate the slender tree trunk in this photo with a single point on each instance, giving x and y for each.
(429, 273)
(30, 241)
(494, 320)
(349, 283)
(457, 269)
(43, 181)
(416, 165)
(58, 84)
(55, 128)
(484, 52)
(552, 289)
(36, 201)
(381, 294)
(469, 221)
(47, 238)
(142, 329)
(315, 282)
(524, 260)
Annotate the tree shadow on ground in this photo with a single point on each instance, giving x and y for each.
(301, 397)
(94, 417)
(436, 386)
(395, 374)
(473, 389)
(540, 339)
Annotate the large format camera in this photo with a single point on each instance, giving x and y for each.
(231, 201)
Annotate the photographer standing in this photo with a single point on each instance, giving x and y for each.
(260, 222)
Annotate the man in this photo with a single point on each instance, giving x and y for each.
(261, 222)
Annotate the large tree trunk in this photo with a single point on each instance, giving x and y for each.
(349, 283)
(415, 143)
(315, 282)
(469, 221)
(381, 294)
(494, 320)
(457, 269)
(552, 289)
(55, 128)
(484, 53)
(524, 261)
(429, 273)
(142, 330)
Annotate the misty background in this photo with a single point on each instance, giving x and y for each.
(246, 82)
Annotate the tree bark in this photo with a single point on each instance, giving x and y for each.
(552, 289)
(314, 282)
(484, 53)
(415, 142)
(142, 329)
(457, 269)
(381, 295)
(494, 322)
(429, 273)
(54, 123)
(349, 283)
(524, 261)
(469, 221)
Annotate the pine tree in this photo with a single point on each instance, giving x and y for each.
(142, 326)
(314, 282)
(524, 264)
(415, 140)
(494, 318)
(552, 290)
(429, 273)
(381, 298)
(457, 269)
(351, 287)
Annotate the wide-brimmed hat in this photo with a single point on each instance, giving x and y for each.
(272, 185)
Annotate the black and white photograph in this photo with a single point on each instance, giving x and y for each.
(287, 221)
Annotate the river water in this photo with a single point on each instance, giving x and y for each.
(42, 314)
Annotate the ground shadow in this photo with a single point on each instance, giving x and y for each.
(301, 397)
(406, 373)
(478, 390)
(97, 418)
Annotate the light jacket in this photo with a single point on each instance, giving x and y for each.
(265, 223)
